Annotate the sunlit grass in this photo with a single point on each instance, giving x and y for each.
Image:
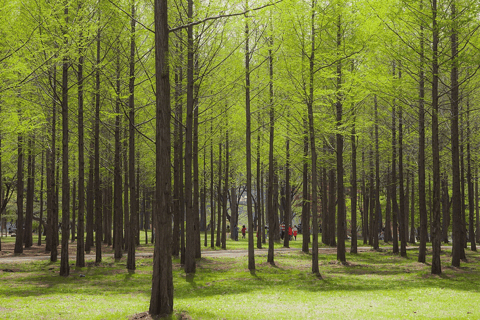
(375, 285)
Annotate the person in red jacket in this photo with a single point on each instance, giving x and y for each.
(290, 233)
(295, 231)
(243, 231)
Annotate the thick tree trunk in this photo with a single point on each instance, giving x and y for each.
(161, 302)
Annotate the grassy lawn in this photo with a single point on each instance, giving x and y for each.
(373, 285)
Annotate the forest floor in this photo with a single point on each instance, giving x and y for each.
(38, 252)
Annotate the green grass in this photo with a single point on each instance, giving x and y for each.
(373, 285)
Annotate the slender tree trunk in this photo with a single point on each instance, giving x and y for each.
(388, 211)
(28, 238)
(190, 264)
(270, 204)
(341, 211)
(74, 207)
(219, 195)
(471, 208)
(251, 254)
(40, 231)
(212, 194)
(51, 156)
(225, 192)
(353, 193)
(445, 208)
(98, 202)
(436, 232)
(305, 195)
(311, 127)
(288, 217)
(19, 237)
(126, 188)
(131, 147)
(196, 186)
(376, 215)
(412, 219)
(403, 211)
(422, 202)
(117, 173)
(394, 177)
(477, 215)
(457, 199)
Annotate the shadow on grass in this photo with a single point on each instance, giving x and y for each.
(364, 272)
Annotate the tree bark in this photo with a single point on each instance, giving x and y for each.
(161, 302)
(19, 234)
(133, 225)
(436, 232)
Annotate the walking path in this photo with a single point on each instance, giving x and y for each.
(213, 253)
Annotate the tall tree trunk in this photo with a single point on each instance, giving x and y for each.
(219, 196)
(19, 237)
(376, 214)
(445, 208)
(190, 264)
(98, 202)
(225, 192)
(261, 224)
(305, 195)
(30, 194)
(394, 176)
(212, 193)
(271, 168)
(251, 253)
(161, 301)
(311, 127)
(436, 232)
(90, 201)
(131, 147)
(471, 208)
(477, 215)
(288, 217)
(412, 219)
(196, 187)
(353, 192)
(74, 207)
(422, 201)
(341, 211)
(388, 211)
(40, 231)
(126, 188)
(51, 197)
(117, 173)
(403, 211)
(457, 199)
(177, 163)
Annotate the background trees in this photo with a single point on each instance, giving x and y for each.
(256, 87)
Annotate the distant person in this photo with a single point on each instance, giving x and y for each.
(295, 231)
(244, 230)
(282, 228)
(290, 233)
